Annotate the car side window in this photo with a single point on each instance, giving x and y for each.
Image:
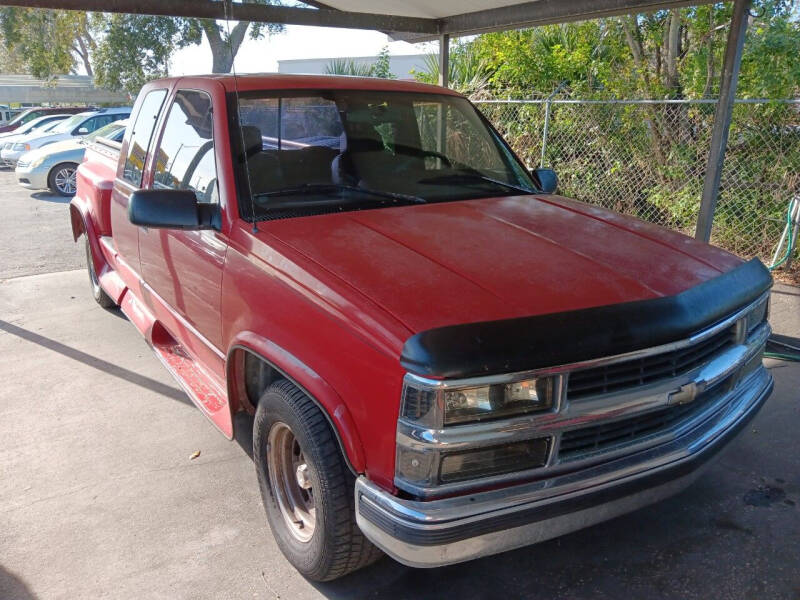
(141, 135)
(185, 157)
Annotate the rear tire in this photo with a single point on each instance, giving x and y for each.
(98, 292)
(62, 179)
(306, 487)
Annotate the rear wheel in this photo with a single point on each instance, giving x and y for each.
(62, 179)
(306, 486)
(98, 292)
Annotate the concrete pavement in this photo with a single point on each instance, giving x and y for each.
(99, 497)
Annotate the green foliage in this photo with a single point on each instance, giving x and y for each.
(586, 55)
(12, 61)
(121, 51)
(381, 68)
(467, 72)
(136, 48)
(636, 56)
(42, 39)
(347, 66)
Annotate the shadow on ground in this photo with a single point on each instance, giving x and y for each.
(95, 362)
(13, 588)
(50, 197)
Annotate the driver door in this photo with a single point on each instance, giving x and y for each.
(182, 270)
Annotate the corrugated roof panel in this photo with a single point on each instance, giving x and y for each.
(432, 9)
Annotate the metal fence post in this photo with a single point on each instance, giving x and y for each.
(548, 103)
(547, 106)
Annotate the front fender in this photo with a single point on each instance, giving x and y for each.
(306, 379)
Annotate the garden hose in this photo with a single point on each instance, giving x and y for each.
(789, 234)
(782, 356)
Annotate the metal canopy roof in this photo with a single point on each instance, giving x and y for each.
(419, 20)
(422, 19)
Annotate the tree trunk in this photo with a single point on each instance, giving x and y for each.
(634, 39)
(710, 75)
(83, 52)
(672, 38)
(224, 50)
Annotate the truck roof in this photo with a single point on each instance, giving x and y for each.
(281, 81)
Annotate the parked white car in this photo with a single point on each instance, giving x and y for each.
(36, 127)
(76, 126)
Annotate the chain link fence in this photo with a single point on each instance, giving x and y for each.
(647, 158)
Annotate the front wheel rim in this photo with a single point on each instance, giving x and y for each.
(65, 180)
(291, 482)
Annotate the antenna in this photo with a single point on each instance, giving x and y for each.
(239, 114)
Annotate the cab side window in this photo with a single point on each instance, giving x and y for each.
(141, 135)
(185, 157)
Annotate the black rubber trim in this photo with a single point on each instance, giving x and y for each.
(448, 535)
(525, 343)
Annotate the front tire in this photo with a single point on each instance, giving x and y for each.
(62, 179)
(306, 487)
(98, 292)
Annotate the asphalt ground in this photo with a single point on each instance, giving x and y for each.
(100, 498)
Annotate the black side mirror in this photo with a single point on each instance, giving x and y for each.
(547, 180)
(172, 209)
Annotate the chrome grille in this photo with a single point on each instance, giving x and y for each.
(579, 443)
(620, 376)
(22, 163)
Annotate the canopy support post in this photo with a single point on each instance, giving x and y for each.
(444, 60)
(722, 119)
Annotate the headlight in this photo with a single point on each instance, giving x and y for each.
(497, 401)
(437, 407)
(445, 435)
(36, 162)
(757, 315)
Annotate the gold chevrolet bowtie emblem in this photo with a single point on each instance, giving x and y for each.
(684, 394)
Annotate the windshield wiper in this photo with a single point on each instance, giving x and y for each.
(322, 187)
(472, 176)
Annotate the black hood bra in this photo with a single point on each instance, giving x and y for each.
(527, 343)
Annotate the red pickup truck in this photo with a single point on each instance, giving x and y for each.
(443, 358)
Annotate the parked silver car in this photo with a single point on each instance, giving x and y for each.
(54, 166)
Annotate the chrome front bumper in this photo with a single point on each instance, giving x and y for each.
(450, 530)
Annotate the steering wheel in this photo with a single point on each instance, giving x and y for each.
(411, 151)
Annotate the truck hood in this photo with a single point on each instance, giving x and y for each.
(496, 258)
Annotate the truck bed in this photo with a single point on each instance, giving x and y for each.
(96, 178)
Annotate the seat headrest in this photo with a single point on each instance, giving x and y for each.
(253, 143)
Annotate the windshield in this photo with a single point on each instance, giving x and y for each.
(49, 126)
(37, 124)
(316, 152)
(24, 117)
(107, 132)
(69, 124)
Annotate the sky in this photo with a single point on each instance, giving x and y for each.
(296, 42)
